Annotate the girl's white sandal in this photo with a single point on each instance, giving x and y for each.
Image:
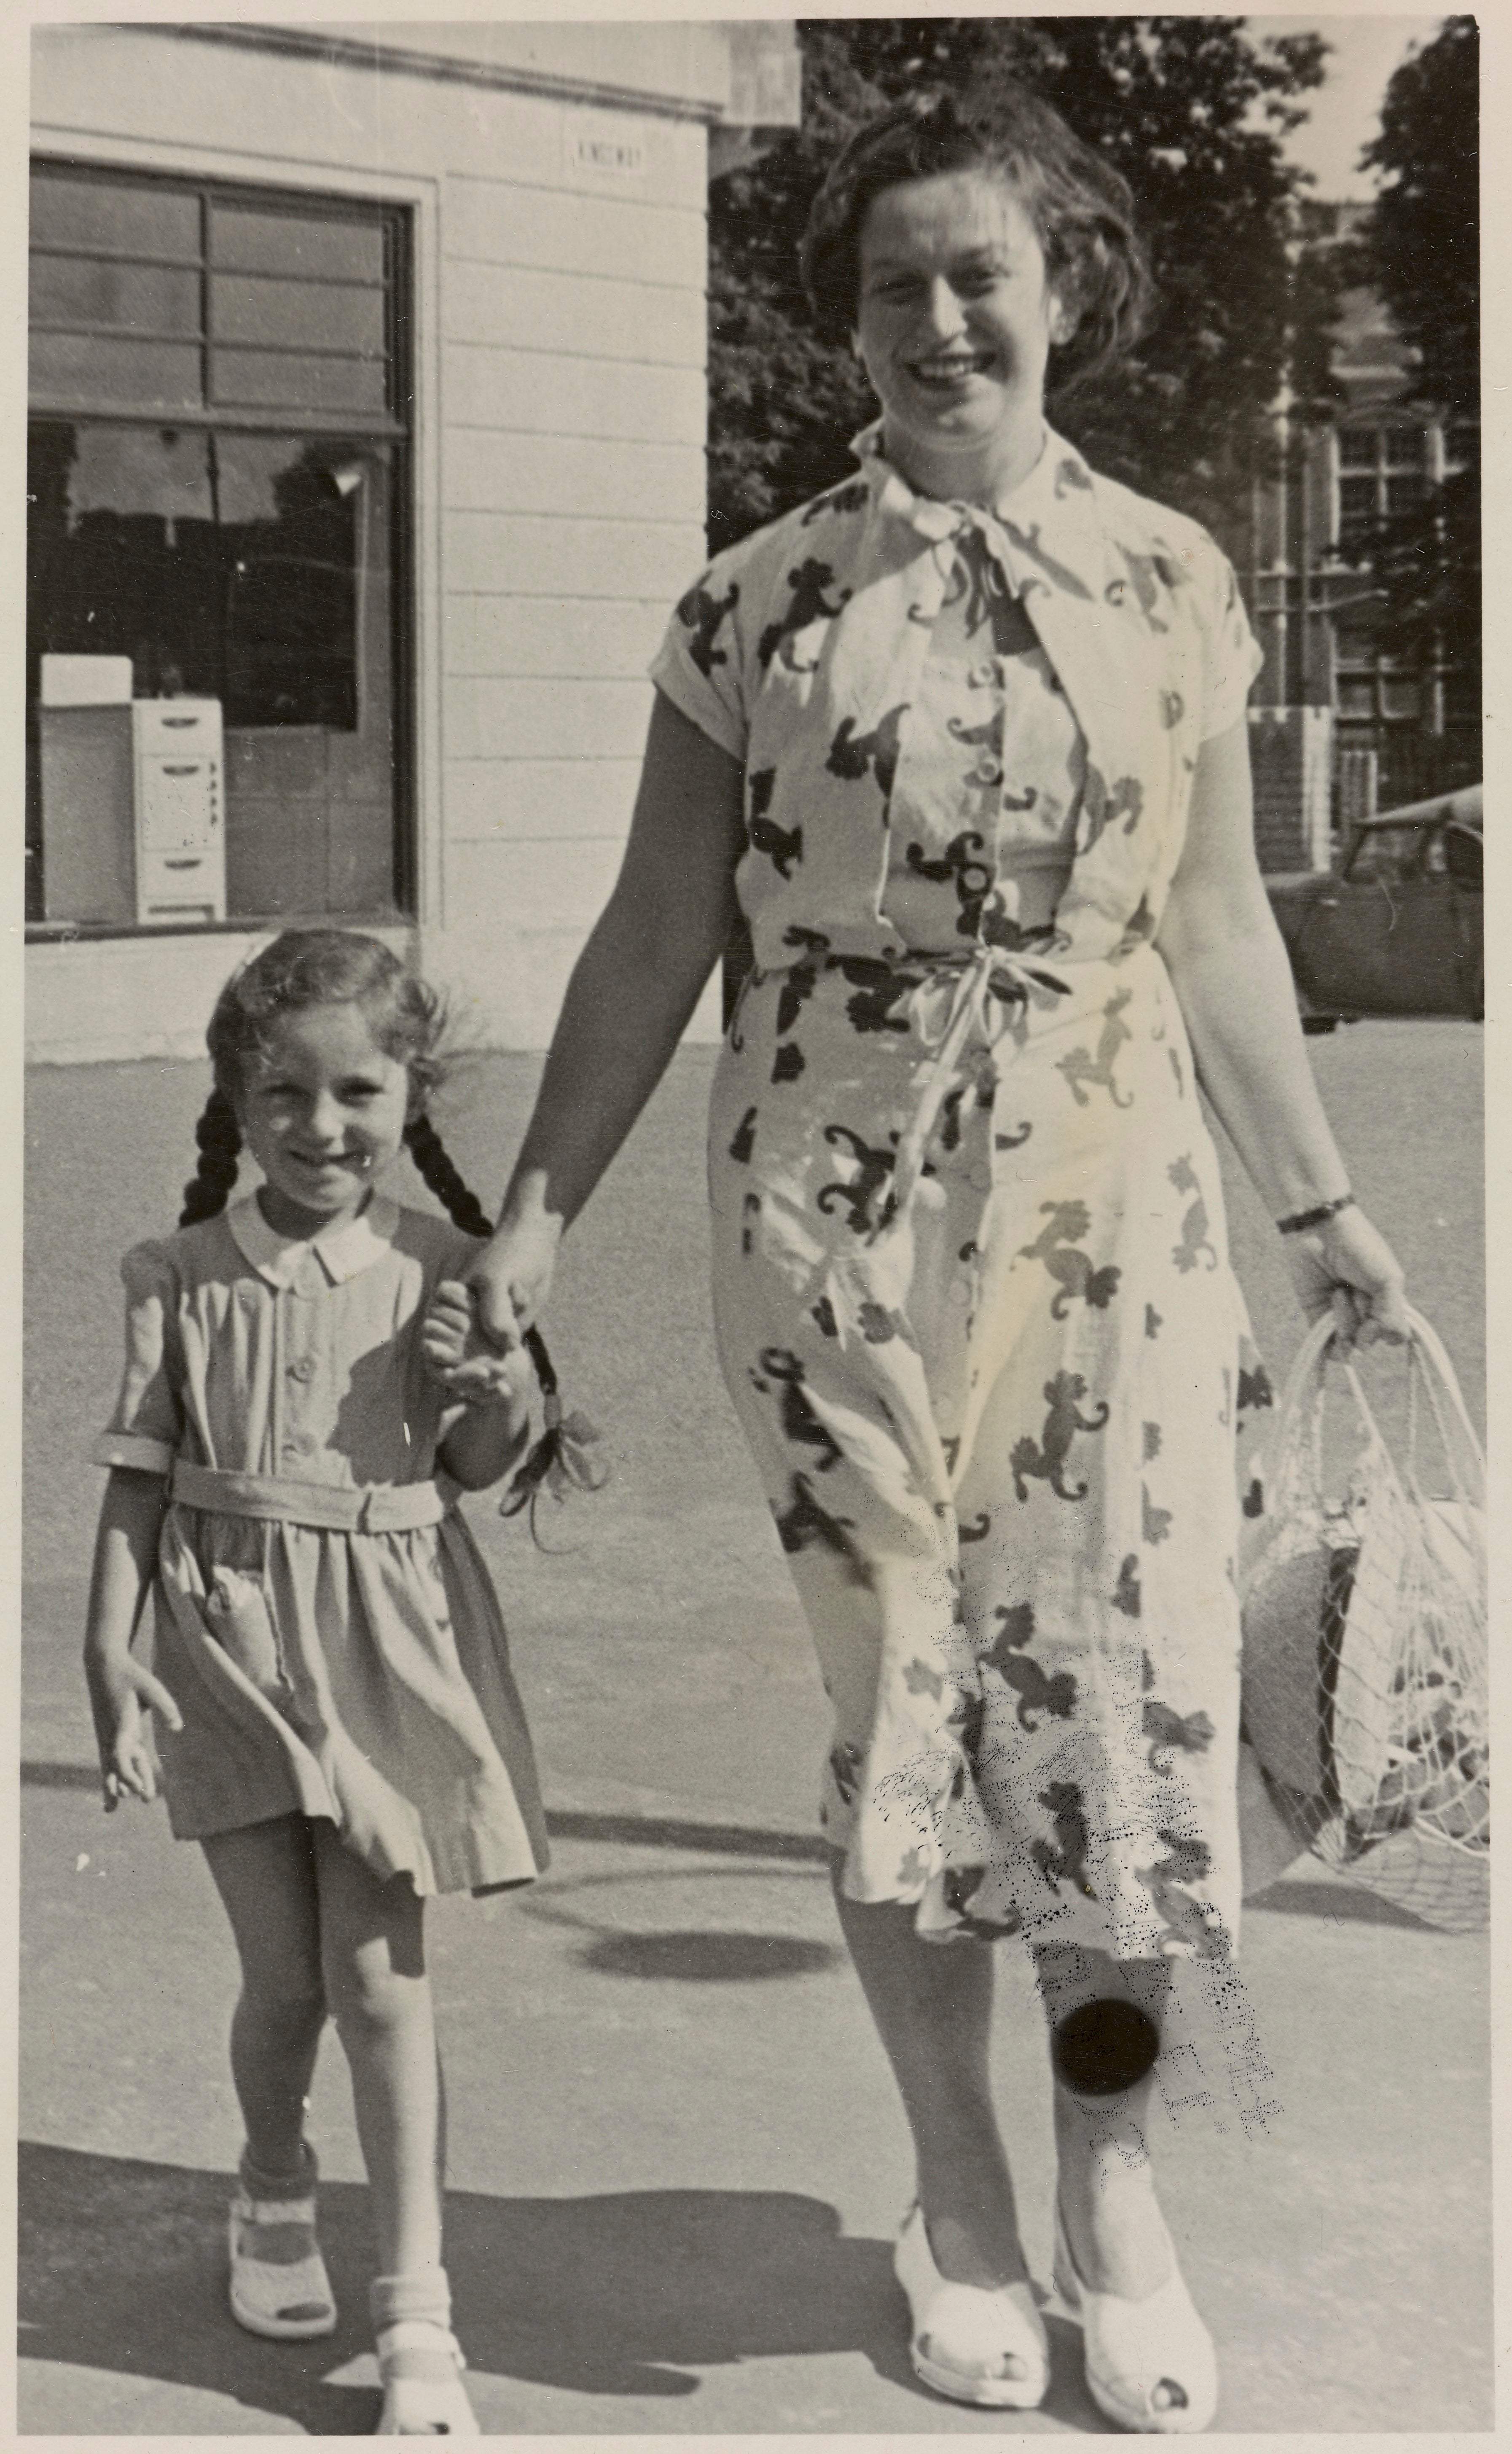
(286, 2296)
(1150, 2364)
(420, 2366)
(964, 2336)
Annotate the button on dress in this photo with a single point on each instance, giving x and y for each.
(328, 1670)
(971, 1290)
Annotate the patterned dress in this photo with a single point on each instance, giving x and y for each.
(323, 1619)
(971, 1291)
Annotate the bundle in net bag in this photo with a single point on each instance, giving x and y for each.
(1365, 1619)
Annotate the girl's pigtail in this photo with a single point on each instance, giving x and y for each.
(218, 1136)
(563, 1458)
(456, 1197)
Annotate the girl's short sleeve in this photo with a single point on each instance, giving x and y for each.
(1234, 654)
(699, 664)
(146, 1427)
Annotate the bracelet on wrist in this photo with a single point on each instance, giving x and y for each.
(1300, 1220)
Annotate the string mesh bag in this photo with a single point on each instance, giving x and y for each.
(1365, 1627)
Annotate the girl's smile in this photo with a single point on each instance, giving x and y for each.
(323, 1114)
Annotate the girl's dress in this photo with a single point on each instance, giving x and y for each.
(971, 1284)
(323, 1619)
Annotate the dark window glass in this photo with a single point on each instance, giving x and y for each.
(250, 378)
(145, 375)
(93, 293)
(1403, 447)
(115, 217)
(294, 244)
(1357, 448)
(1403, 494)
(295, 314)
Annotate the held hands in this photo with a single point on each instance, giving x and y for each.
(512, 1278)
(468, 1366)
(1346, 1265)
(120, 1690)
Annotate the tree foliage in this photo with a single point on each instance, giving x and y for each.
(1424, 235)
(1420, 247)
(1189, 109)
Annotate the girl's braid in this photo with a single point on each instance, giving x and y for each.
(436, 1170)
(218, 1136)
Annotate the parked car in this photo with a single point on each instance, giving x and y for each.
(1396, 925)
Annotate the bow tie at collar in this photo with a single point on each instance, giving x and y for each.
(1053, 501)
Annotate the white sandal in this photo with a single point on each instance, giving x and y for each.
(420, 2361)
(279, 2286)
(1150, 2364)
(964, 2335)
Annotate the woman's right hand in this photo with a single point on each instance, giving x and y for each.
(512, 1276)
(120, 1692)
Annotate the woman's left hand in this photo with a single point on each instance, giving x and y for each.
(1348, 1265)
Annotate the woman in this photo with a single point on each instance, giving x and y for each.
(964, 739)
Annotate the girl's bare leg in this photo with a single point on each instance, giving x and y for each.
(373, 1952)
(932, 2004)
(266, 1877)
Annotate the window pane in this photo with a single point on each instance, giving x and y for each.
(1357, 698)
(74, 290)
(1357, 448)
(242, 241)
(258, 379)
(1404, 492)
(295, 314)
(1353, 647)
(1400, 698)
(1463, 446)
(154, 374)
(291, 515)
(116, 216)
(1403, 447)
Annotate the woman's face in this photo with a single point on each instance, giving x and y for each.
(955, 320)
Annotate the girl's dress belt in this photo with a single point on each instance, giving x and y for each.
(374, 1508)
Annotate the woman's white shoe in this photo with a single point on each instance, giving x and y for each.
(974, 2344)
(1150, 2364)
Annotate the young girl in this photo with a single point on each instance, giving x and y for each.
(337, 1726)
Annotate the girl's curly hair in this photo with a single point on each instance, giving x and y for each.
(1081, 211)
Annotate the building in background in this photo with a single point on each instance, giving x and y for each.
(1343, 721)
(367, 454)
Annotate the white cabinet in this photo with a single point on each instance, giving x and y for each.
(134, 811)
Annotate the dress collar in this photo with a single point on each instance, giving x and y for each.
(1044, 531)
(342, 1249)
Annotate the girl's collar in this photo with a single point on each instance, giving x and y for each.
(1045, 534)
(343, 1249)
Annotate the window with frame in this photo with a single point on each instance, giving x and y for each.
(1382, 471)
(218, 491)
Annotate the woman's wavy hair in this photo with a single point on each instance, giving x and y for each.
(312, 966)
(1081, 208)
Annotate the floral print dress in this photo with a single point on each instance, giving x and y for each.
(972, 1292)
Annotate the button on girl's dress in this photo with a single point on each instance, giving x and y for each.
(302, 1368)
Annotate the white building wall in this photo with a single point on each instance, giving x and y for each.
(558, 451)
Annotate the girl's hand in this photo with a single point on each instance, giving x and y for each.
(471, 1369)
(512, 1278)
(120, 1689)
(1347, 1265)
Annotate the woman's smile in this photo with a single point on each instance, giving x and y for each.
(955, 326)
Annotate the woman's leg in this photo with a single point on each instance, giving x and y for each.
(372, 1951)
(932, 2003)
(1112, 2220)
(266, 1877)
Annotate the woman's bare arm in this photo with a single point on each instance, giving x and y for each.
(1233, 979)
(628, 1003)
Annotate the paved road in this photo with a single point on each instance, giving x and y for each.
(675, 2160)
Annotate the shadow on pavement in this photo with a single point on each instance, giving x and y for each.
(122, 2270)
(1347, 1900)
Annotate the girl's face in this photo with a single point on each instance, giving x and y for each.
(954, 327)
(323, 1112)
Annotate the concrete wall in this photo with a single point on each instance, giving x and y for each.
(559, 450)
